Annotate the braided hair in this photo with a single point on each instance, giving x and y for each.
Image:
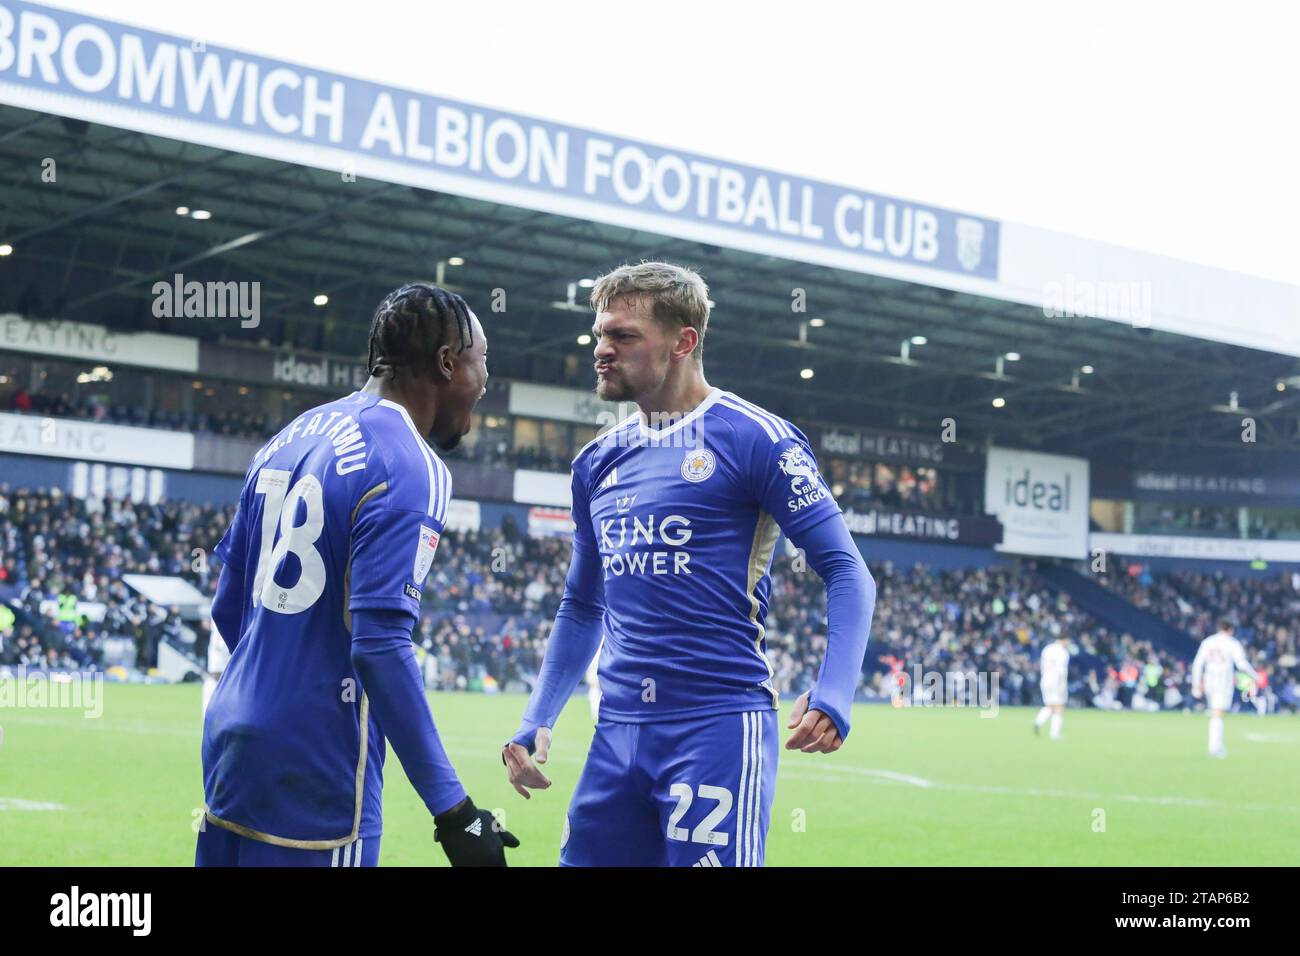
(412, 323)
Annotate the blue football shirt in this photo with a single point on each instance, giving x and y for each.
(340, 512)
(685, 518)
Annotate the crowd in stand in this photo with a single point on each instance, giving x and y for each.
(1265, 611)
(97, 408)
(492, 595)
(857, 485)
(57, 551)
(992, 620)
(503, 577)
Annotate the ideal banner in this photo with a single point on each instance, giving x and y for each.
(73, 65)
(1260, 483)
(92, 441)
(873, 444)
(1254, 489)
(1208, 549)
(1041, 500)
(880, 522)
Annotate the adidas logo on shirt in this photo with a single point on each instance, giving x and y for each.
(709, 859)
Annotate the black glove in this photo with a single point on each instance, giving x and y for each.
(469, 836)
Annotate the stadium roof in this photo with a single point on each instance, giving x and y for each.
(89, 245)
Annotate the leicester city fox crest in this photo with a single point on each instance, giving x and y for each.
(698, 464)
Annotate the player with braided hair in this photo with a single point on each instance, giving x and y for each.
(410, 330)
(323, 566)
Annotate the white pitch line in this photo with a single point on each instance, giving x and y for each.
(821, 774)
(1125, 798)
(891, 775)
(16, 803)
(1269, 738)
(144, 727)
(826, 773)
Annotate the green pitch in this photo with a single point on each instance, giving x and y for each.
(912, 786)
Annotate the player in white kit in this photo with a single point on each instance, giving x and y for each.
(1213, 673)
(1053, 681)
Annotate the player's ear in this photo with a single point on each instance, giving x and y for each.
(444, 364)
(687, 339)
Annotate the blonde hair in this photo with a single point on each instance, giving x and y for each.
(678, 296)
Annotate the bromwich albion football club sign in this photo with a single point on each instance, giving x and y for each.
(70, 64)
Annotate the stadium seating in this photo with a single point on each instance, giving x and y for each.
(492, 595)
